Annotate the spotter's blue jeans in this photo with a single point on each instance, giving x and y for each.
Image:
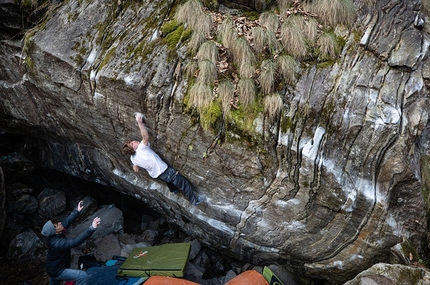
(69, 274)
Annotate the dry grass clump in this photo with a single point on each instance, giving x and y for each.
(269, 20)
(272, 42)
(227, 34)
(287, 67)
(293, 38)
(259, 39)
(273, 105)
(425, 5)
(226, 94)
(243, 53)
(200, 96)
(333, 12)
(246, 69)
(229, 39)
(208, 50)
(192, 13)
(310, 28)
(226, 24)
(207, 72)
(267, 76)
(284, 4)
(196, 40)
(327, 45)
(246, 91)
(190, 69)
(263, 39)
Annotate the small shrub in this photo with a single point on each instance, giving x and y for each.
(208, 50)
(226, 94)
(273, 105)
(246, 91)
(269, 20)
(287, 67)
(267, 76)
(207, 72)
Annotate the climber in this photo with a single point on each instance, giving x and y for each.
(58, 257)
(143, 156)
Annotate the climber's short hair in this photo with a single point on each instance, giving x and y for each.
(127, 149)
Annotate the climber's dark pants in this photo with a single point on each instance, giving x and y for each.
(173, 178)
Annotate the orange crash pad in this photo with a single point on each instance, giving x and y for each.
(165, 280)
(249, 277)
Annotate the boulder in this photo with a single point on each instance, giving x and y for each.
(107, 247)
(26, 204)
(51, 202)
(16, 165)
(111, 221)
(24, 247)
(391, 274)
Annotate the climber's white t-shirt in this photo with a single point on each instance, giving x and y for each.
(146, 158)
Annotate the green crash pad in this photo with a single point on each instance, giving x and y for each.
(164, 260)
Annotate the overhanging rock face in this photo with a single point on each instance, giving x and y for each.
(327, 189)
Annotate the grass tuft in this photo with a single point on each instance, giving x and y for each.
(243, 53)
(267, 76)
(247, 69)
(273, 105)
(197, 39)
(287, 67)
(272, 42)
(246, 91)
(208, 50)
(292, 37)
(192, 13)
(207, 72)
(259, 39)
(200, 96)
(224, 26)
(269, 20)
(334, 12)
(327, 45)
(229, 40)
(284, 4)
(310, 28)
(190, 69)
(226, 94)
